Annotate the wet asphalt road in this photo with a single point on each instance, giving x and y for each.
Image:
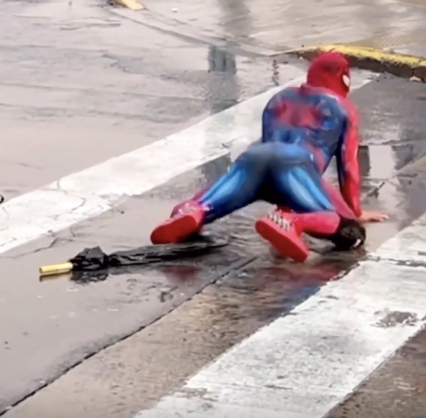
(59, 116)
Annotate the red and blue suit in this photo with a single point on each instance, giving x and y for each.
(320, 125)
(303, 128)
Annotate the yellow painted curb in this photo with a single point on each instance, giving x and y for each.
(129, 4)
(372, 59)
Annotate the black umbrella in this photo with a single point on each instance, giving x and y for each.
(94, 259)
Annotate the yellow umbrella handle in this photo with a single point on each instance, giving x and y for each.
(55, 269)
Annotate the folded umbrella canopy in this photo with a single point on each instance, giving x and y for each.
(94, 259)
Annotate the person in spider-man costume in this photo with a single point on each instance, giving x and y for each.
(303, 128)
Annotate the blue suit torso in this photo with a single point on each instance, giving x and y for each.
(308, 118)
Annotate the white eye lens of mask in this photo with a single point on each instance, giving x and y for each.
(346, 80)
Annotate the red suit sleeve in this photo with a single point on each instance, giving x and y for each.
(347, 161)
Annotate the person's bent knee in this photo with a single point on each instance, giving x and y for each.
(349, 235)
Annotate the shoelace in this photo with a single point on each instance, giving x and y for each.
(281, 221)
(186, 208)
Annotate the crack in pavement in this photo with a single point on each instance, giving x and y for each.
(401, 261)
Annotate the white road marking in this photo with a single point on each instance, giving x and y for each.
(98, 189)
(304, 364)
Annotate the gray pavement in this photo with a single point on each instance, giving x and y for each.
(80, 85)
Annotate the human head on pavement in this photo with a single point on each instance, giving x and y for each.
(332, 71)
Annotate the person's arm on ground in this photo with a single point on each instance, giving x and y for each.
(348, 169)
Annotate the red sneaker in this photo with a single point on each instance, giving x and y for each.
(186, 222)
(281, 230)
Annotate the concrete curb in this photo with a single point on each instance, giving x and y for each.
(128, 4)
(401, 65)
